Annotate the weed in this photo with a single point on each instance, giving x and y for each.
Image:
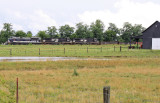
(75, 73)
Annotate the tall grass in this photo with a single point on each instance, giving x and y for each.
(131, 80)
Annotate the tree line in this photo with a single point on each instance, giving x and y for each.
(81, 30)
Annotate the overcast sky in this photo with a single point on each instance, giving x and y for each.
(35, 15)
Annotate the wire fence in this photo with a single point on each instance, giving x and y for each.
(49, 94)
(70, 96)
(81, 51)
(62, 96)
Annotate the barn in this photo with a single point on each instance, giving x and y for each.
(151, 37)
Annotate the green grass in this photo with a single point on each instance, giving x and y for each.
(75, 51)
(132, 81)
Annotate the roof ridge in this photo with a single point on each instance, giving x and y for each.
(151, 25)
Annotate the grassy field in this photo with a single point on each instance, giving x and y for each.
(135, 80)
(75, 51)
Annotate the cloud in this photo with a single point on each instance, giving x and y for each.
(1, 26)
(28, 17)
(33, 21)
(40, 21)
(126, 11)
(17, 27)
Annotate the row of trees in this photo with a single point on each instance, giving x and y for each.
(94, 30)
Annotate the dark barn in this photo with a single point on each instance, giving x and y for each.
(151, 36)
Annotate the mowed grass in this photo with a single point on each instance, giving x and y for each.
(132, 81)
(75, 51)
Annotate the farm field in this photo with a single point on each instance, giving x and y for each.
(75, 51)
(135, 80)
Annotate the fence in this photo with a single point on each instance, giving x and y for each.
(41, 94)
(99, 96)
(80, 51)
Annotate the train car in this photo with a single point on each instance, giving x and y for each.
(79, 41)
(24, 40)
(50, 41)
(65, 41)
(92, 41)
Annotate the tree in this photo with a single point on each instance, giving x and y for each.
(97, 29)
(74, 35)
(66, 31)
(20, 33)
(83, 31)
(42, 35)
(29, 34)
(129, 31)
(126, 32)
(111, 34)
(6, 32)
(89, 33)
(137, 29)
(52, 31)
(80, 32)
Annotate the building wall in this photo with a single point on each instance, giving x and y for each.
(152, 32)
(147, 43)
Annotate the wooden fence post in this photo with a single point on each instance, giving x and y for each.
(114, 49)
(120, 48)
(101, 49)
(64, 50)
(17, 92)
(106, 94)
(39, 51)
(10, 52)
(87, 49)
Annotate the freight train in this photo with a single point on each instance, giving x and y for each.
(54, 41)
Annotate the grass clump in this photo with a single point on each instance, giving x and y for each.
(75, 73)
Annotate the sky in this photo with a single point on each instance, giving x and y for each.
(36, 15)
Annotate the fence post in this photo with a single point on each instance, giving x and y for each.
(10, 51)
(114, 48)
(120, 48)
(39, 52)
(106, 94)
(17, 92)
(87, 49)
(64, 50)
(101, 49)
